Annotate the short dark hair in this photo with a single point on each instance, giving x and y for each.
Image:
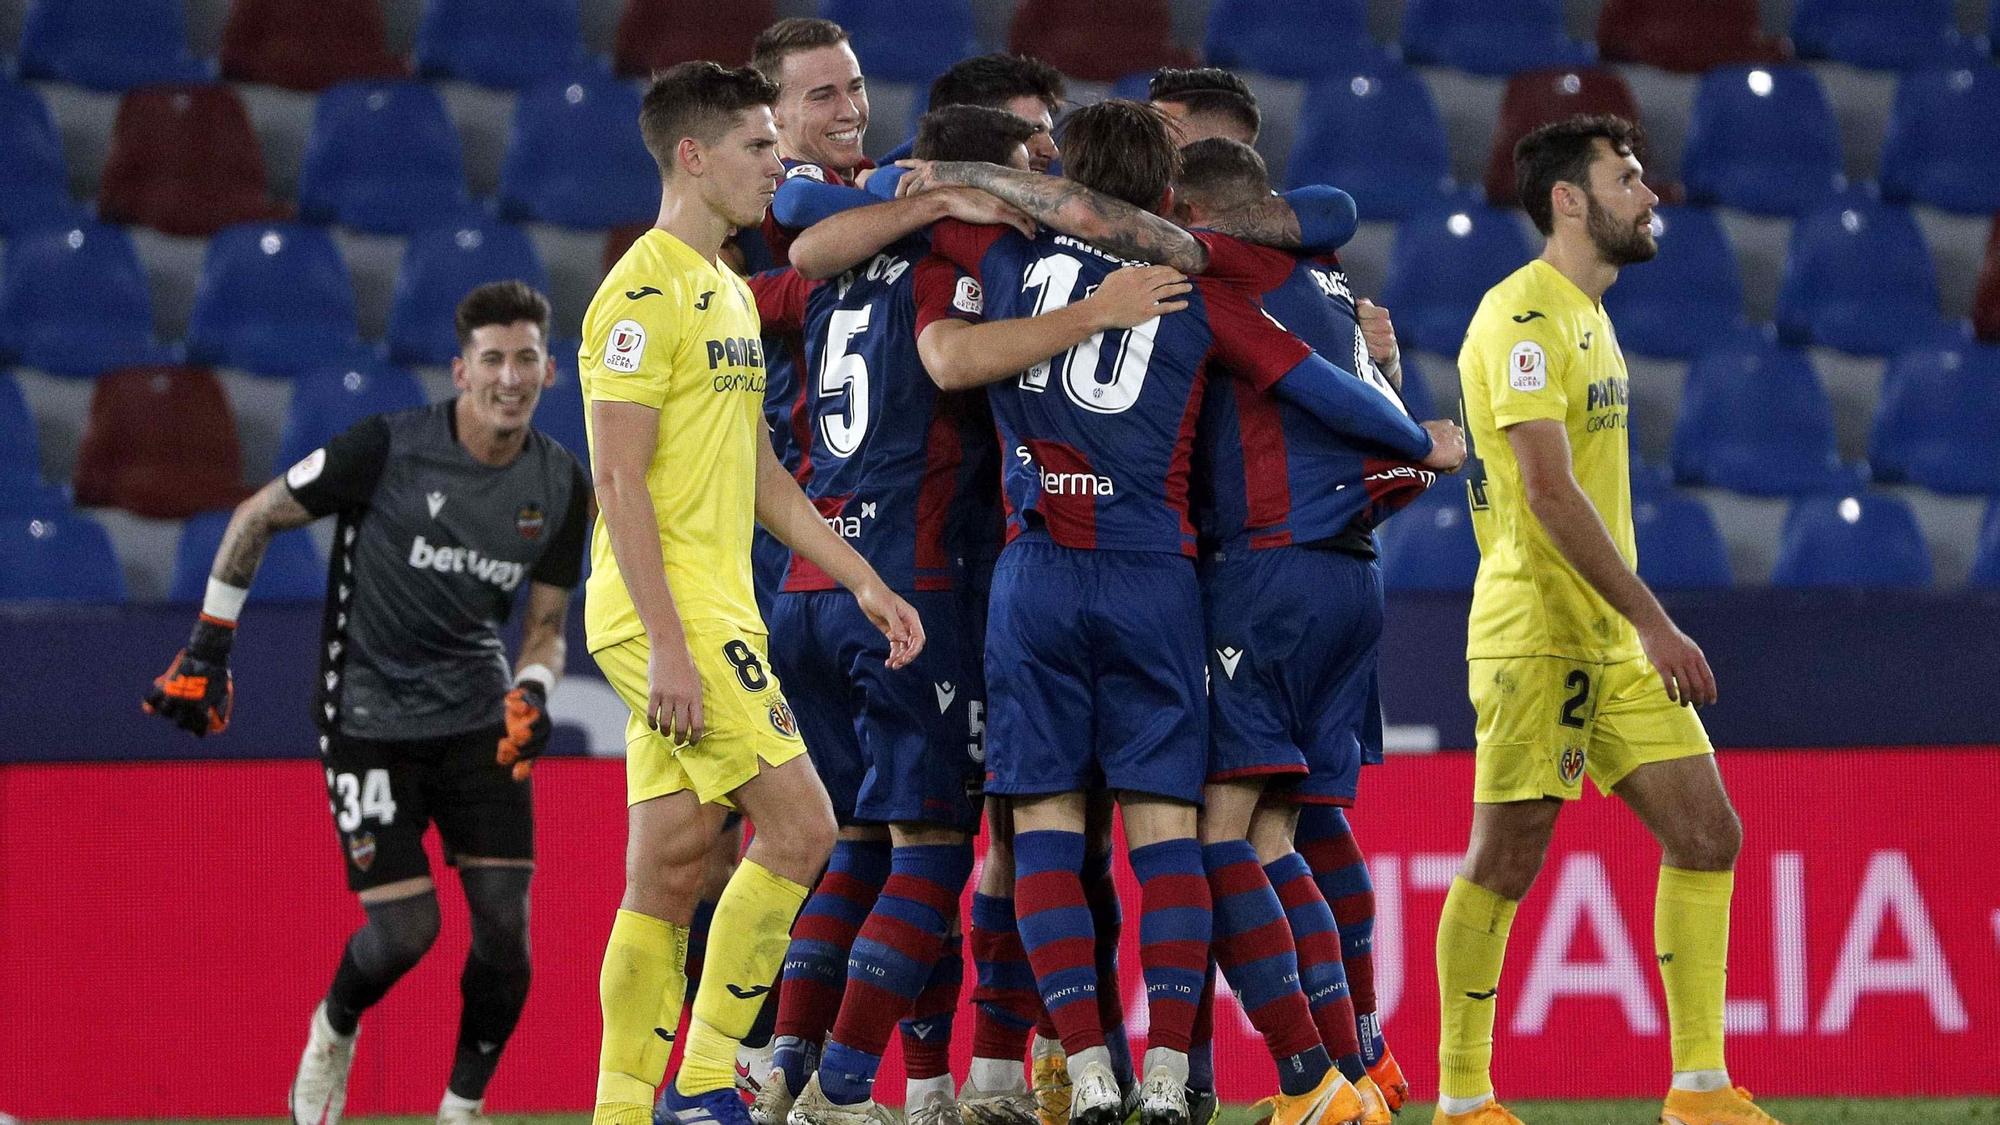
(1222, 174)
(699, 100)
(1205, 90)
(790, 36)
(994, 80)
(1561, 152)
(970, 132)
(1121, 148)
(501, 302)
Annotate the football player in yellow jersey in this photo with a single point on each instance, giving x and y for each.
(1574, 668)
(673, 373)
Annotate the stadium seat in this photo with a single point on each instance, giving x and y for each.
(510, 44)
(1939, 420)
(1986, 297)
(1755, 419)
(60, 557)
(575, 157)
(905, 40)
(291, 570)
(1861, 540)
(184, 160)
(1676, 304)
(1442, 263)
(274, 299)
(109, 44)
(1655, 32)
(1986, 558)
(76, 302)
(1429, 545)
(1868, 33)
(441, 266)
(34, 185)
(1293, 40)
(327, 400)
(1491, 36)
(1858, 277)
(1762, 139)
(1943, 140)
(656, 34)
(1679, 545)
(22, 490)
(160, 442)
(382, 157)
(307, 44)
(560, 412)
(1377, 134)
(1536, 97)
(1097, 40)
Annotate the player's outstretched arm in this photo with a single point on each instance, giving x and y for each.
(1111, 225)
(196, 692)
(1548, 477)
(624, 437)
(1348, 407)
(841, 241)
(961, 355)
(543, 653)
(786, 513)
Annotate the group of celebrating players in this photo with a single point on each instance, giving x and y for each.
(1059, 491)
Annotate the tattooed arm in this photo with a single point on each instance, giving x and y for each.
(1111, 225)
(271, 510)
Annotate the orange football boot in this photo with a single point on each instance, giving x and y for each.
(1728, 1106)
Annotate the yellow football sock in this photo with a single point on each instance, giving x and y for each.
(752, 926)
(1691, 940)
(1471, 944)
(641, 988)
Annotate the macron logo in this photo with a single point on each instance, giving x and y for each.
(1230, 658)
(945, 694)
(465, 560)
(436, 502)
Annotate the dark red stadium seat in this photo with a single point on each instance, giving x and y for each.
(655, 34)
(1686, 35)
(184, 160)
(307, 44)
(1537, 97)
(1097, 40)
(1986, 299)
(161, 442)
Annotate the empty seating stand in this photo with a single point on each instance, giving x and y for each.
(184, 160)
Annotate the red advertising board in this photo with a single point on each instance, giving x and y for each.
(166, 929)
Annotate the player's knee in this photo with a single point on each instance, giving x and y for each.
(1711, 843)
(497, 898)
(399, 932)
(1506, 866)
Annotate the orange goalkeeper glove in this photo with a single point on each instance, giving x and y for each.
(527, 728)
(196, 692)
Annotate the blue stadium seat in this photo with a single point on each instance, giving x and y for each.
(58, 556)
(327, 400)
(34, 187)
(560, 412)
(575, 157)
(1679, 546)
(109, 44)
(292, 570)
(1904, 35)
(274, 298)
(1675, 304)
(440, 267)
(905, 40)
(1442, 263)
(1943, 140)
(1429, 545)
(1377, 134)
(1292, 40)
(1986, 560)
(1858, 277)
(1860, 540)
(1755, 419)
(22, 490)
(382, 157)
(1763, 139)
(511, 44)
(1939, 420)
(1491, 36)
(76, 302)
(1417, 396)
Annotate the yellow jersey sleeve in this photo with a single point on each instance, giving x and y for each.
(636, 344)
(1525, 367)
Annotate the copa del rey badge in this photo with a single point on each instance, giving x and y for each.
(625, 347)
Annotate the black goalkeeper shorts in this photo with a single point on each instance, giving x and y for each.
(384, 794)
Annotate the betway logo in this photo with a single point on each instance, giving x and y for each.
(465, 560)
(1066, 484)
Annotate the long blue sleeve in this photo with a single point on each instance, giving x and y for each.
(1351, 408)
(1326, 217)
(802, 201)
(882, 182)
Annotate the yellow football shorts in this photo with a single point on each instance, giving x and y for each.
(1546, 721)
(747, 719)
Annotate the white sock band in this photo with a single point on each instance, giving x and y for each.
(223, 601)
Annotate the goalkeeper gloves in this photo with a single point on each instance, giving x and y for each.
(527, 728)
(196, 692)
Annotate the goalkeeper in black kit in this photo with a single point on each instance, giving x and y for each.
(444, 512)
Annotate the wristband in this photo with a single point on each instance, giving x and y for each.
(223, 603)
(537, 673)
